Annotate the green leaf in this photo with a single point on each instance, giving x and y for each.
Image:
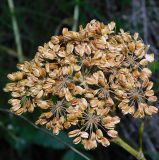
(69, 155)
(34, 136)
(154, 66)
(153, 155)
(47, 141)
(42, 139)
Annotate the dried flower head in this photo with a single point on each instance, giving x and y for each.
(78, 79)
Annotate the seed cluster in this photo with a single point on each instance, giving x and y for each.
(79, 79)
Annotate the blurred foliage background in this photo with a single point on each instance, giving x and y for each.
(38, 20)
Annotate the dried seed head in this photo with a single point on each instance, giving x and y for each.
(77, 78)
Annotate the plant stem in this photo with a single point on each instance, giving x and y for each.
(16, 31)
(8, 50)
(76, 16)
(141, 136)
(138, 155)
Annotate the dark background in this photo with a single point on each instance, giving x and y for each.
(38, 20)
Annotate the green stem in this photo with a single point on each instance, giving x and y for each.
(76, 16)
(8, 50)
(141, 131)
(138, 155)
(16, 31)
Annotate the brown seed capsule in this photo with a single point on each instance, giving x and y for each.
(151, 110)
(112, 133)
(99, 133)
(77, 140)
(55, 39)
(131, 46)
(69, 48)
(74, 133)
(149, 93)
(104, 141)
(15, 76)
(152, 99)
(56, 130)
(40, 94)
(67, 125)
(84, 134)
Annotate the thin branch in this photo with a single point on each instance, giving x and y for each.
(16, 31)
(148, 142)
(47, 132)
(141, 131)
(128, 148)
(75, 17)
(8, 51)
